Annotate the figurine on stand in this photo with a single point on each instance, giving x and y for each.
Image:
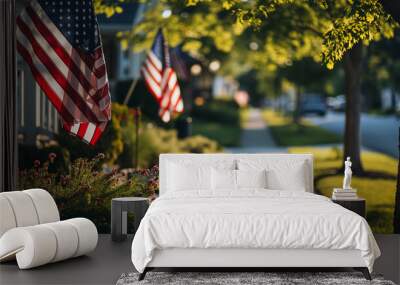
(347, 192)
(347, 175)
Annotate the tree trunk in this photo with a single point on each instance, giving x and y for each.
(352, 135)
(297, 105)
(396, 218)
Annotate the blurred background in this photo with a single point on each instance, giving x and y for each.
(252, 80)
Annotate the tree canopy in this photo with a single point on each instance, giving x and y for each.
(285, 30)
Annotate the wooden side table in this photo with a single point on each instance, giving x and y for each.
(119, 215)
(356, 205)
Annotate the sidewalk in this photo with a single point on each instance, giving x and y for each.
(256, 137)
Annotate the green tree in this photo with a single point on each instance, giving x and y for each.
(383, 67)
(307, 76)
(384, 70)
(342, 28)
(327, 31)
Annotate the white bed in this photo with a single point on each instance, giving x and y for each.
(201, 223)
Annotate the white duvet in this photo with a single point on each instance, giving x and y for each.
(250, 219)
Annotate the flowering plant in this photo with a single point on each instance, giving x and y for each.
(145, 180)
(86, 190)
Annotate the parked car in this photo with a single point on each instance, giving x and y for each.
(313, 104)
(337, 103)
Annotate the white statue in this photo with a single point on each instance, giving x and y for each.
(347, 174)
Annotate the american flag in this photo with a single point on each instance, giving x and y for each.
(60, 41)
(161, 79)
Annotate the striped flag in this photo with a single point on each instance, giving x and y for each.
(161, 79)
(60, 41)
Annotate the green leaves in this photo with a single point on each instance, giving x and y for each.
(108, 7)
(365, 22)
(287, 30)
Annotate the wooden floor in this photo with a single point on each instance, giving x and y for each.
(110, 260)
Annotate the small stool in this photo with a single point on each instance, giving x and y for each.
(119, 215)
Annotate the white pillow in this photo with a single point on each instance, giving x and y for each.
(184, 177)
(251, 178)
(295, 181)
(193, 173)
(281, 174)
(223, 179)
(227, 179)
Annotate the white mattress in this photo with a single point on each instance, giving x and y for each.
(253, 219)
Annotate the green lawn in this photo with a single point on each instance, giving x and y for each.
(286, 133)
(379, 193)
(224, 134)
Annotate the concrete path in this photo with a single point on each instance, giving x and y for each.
(255, 132)
(256, 137)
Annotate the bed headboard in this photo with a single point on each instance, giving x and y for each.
(210, 158)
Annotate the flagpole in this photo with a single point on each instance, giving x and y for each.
(137, 127)
(130, 91)
(136, 118)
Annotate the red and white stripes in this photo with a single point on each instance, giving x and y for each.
(75, 83)
(163, 85)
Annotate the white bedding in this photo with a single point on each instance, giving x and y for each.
(251, 218)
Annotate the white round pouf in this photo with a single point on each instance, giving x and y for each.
(31, 233)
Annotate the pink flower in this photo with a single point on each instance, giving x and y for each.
(101, 155)
(152, 197)
(52, 156)
(36, 163)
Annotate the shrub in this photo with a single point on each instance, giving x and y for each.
(86, 191)
(218, 110)
(199, 144)
(27, 154)
(154, 140)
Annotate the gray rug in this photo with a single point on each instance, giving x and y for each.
(243, 278)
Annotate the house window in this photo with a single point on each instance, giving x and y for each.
(127, 70)
(46, 114)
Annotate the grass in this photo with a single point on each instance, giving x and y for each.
(380, 112)
(286, 133)
(224, 134)
(378, 192)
